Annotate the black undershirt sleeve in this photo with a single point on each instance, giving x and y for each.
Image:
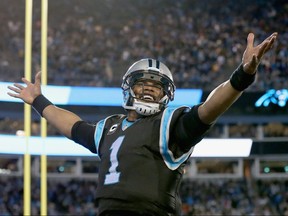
(189, 129)
(83, 134)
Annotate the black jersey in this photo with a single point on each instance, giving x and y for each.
(138, 169)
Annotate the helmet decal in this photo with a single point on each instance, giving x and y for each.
(150, 65)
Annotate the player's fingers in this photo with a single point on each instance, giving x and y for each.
(266, 45)
(269, 41)
(26, 81)
(38, 78)
(13, 95)
(19, 86)
(273, 36)
(263, 49)
(250, 40)
(17, 90)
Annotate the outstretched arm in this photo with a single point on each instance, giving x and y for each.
(223, 96)
(61, 119)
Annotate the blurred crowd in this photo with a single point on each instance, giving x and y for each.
(92, 43)
(235, 197)
(209, 197)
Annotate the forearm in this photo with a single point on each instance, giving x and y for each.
(218, 101)
(62, 120)
(221, 98)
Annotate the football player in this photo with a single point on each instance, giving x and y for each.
(143, 153)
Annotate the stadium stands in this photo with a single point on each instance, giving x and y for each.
(218, 197)
(91, 43)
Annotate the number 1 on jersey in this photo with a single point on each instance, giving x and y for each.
(113, 176)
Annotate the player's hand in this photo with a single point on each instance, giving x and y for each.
(252, 55)
(26, 93)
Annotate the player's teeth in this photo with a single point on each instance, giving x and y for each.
(148, 97)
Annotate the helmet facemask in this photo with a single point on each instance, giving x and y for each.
(141, 105)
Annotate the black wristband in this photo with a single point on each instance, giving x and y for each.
(241, 80)
(40, 103)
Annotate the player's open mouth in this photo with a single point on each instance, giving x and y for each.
(147, 98)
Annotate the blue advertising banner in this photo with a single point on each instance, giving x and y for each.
(97, 96)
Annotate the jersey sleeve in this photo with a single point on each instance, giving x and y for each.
(188, 129)
(83, 134)
(181, 129)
